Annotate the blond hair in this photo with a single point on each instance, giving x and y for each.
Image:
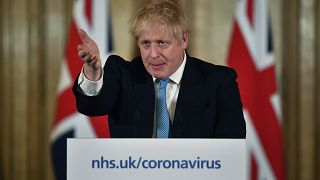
(160, 13)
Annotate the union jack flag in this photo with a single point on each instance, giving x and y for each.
(93, 17)
(251, 55)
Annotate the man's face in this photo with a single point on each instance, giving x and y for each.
(160, 51)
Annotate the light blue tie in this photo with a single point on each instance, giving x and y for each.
(162, 114)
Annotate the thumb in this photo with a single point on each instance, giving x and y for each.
(84, 36)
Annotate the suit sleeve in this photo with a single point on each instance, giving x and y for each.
(230, 120)
(104, 102)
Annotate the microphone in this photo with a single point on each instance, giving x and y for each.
(177, 128)
(136, 120)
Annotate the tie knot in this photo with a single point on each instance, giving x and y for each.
(163, 82)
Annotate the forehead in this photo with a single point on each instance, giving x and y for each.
(156, 32)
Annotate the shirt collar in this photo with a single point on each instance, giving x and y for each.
(177, 75)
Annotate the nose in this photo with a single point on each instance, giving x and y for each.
(154, 52)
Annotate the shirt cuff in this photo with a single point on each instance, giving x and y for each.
(88, 87)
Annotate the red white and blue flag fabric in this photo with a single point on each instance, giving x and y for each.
(93, 17)
(251, 55)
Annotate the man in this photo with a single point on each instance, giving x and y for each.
(199, 100)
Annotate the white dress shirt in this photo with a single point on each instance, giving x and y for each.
(173, 88)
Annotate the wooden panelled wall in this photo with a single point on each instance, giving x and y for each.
(32, 40)
(32, 44)
(301, 87)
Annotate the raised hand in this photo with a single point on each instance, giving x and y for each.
(88, 51)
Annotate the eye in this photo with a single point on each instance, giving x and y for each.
(163, 44)
(145, 43)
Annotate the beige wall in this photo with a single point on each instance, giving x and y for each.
(32, 40)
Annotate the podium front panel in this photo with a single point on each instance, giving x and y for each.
(156, 159)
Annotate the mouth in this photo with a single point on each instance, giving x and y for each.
(157, 65)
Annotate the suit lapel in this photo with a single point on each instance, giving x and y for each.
(144, 93)
(190, 84)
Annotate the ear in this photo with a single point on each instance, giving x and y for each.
(185, 40)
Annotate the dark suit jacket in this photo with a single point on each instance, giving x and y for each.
(208, 104)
